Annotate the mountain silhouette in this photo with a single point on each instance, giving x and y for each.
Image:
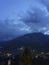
(32, 40)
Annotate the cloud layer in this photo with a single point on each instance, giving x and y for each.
(37, 17)
(10, 29)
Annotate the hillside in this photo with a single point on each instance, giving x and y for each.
(33, 40)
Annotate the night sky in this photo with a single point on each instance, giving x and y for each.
(19, 17)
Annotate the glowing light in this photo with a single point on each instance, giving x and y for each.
(8, 54)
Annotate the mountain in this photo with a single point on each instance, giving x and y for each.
(33, 40)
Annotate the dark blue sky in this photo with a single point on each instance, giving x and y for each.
(18, 17)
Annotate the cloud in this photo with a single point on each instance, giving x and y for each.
(46, 3)
(37, 17)
(10, 29)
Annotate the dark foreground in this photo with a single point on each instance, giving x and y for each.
(24, 58)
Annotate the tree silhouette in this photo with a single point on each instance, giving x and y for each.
(26, 58)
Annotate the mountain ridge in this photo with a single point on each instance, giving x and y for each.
(33, 40)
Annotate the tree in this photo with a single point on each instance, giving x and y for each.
(26, 57)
